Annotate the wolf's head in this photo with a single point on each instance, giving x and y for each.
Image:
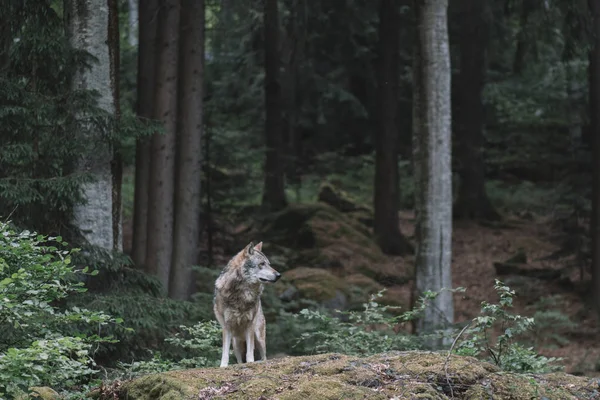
(256, 266)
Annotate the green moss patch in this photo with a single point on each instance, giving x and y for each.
(403, 375)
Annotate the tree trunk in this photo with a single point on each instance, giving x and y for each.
(274, 190)
(431, 157)
(472, 201)
(159, 250)
(87, 22)
(527, 7)
(133, 18)
(386, 194)
(117, 161)
(294, 42)
(186, 235)
(595, 129)
(145, 106)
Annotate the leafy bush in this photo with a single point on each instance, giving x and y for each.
(40, 342)
(504, 352)
(201, 343)
(365, 332)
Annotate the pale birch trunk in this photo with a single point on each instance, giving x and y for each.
(432, 151)
(133, 18)
(87, 22)
(186, 234)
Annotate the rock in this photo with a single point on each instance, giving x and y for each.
(398, 375)
(319, 285)
(317, 248)
(340, 200)
(319, 236)
(44, 393)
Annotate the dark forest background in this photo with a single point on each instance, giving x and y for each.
(291, 122)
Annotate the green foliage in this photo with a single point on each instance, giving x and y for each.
(201, 344)
(122, 290)
(523, 197)
(552, 326)
(365, 332)
(504, 350)
(41, 343)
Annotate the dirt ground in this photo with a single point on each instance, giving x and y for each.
(476, 248)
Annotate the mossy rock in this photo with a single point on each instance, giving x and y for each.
(340, 200)
(43, 393)
(400, 375)
(319, 236)
(319, 285)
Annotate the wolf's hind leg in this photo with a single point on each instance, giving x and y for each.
(238, 349)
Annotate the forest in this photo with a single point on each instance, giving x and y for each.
(424, 174)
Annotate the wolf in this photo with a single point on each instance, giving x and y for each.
(237, 303)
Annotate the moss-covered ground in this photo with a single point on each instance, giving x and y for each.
(398, 375)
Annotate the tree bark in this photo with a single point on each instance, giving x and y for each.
(472, 201)
(159, 250)
(133, 19)
(274, 189)
(186, 235)
(386, 192)
(595, 129)
(117, 161)
(527, 6)
(294, 41)
(431, 157)
(87, 22)
(145, 106)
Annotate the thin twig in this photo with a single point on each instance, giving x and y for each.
(448, 357)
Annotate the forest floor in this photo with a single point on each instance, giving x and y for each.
(475, 250)
(566, 325)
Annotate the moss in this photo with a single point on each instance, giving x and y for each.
(339, 199)
(405, 375)
(44, 393)
(315, 283)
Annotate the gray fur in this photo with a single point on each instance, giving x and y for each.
(237, 304)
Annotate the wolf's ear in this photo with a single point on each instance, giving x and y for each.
(258, 247)
(249, 249)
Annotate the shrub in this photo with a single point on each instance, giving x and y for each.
(40, 343)
(504, 352)
(366, 332)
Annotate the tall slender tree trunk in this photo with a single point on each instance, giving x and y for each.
(595, 128)
(472, 201)
(527, 7)
(145, 105)
(386, 194)
(186, 235)
(87, 22)
(432, 152)
(133, 19)
(159, 250)
(274, 189)
(294, 41)
(117, 161)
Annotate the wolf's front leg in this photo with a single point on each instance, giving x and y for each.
(250, 345)
(226, 347)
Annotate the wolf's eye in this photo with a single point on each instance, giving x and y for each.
(262, 264)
